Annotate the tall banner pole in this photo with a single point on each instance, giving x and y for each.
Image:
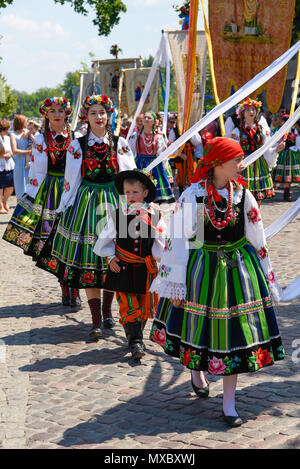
(191, 63)
(211, 64)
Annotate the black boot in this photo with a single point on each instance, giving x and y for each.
(287, 194)
(65, 297)
(74, 297)
(134, 335)
(95, 307)
(108, 321)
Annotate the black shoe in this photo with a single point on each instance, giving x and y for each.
(200, 392)
(233, 421)
(75, 300)
(96, 333)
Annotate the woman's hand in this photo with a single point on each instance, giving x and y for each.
(113, 265)
(175, 302)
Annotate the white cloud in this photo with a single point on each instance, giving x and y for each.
(46, 29)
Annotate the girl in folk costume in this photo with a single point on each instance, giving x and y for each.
(35, 214)
(215, 310)
(89, 195)
(251, 135)
(288, 165)
(146, 146)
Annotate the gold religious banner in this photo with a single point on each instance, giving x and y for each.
(178, 41)
(247, 36)
(110, 73)
(135, 80)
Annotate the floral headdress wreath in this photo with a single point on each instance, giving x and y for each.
(56, 100)
(96, 99)
(155, 181)
(248, 103)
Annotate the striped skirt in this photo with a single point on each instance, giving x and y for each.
(288, 166)
(33, 219)
(227, 324)
(68, 253)
(259, 179)
(164, 192)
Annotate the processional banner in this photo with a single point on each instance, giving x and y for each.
(135, 80)
(178, 41)
(247, 36)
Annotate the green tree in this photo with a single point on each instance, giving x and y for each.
(296, 23)
(8, 101)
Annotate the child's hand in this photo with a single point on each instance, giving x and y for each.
(114, 266)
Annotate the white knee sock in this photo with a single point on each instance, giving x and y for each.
(198, 378)
(229, 387)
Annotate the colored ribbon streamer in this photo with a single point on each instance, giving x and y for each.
(237, 97)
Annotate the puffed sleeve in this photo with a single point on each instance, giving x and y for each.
(229, 126)
(160, 239)
(105, 244)
(171, 279)
(39, 166)
(125, 156)
(72, 176)
(255, 234)
(162, 144)
(235, 134)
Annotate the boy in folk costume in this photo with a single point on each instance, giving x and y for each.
(215, 311)
(132, 241)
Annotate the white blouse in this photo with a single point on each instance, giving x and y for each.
(105, 245)
(171, 281)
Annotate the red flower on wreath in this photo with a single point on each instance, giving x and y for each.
(88, 278)
(263, 357)
(263, 252)
(104, 99)
(48, 102)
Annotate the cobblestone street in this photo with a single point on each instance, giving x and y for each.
(59, 390)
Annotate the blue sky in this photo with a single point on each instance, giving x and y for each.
(42, 40)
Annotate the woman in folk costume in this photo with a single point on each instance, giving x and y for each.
(287, 170)
(146, 145)
(251, 136)
(215, 310)
(35, 214)
(89, 196)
